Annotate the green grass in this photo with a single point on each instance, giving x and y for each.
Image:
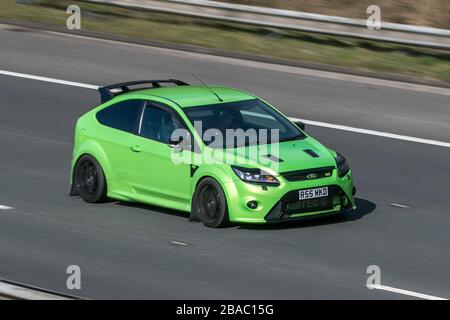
(340, 51)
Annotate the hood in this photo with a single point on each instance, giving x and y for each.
(285, 156)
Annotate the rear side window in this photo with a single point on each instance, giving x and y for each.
(122, 115)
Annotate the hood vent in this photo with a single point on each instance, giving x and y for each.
(311, 153)
(273, 158)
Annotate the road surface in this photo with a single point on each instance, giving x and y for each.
(133, 251)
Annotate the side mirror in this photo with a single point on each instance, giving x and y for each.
(300, 124)
(176, 143)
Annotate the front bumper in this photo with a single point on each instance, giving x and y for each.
(338, 203)
(273, 202)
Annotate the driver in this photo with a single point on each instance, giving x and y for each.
(228, 119)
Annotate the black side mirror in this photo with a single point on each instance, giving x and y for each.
(175, 143)
(300, 124)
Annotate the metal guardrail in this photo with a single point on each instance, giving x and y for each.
(294, 20)
(10, 290)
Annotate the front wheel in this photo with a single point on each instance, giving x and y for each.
(90, 180)
(210, 204)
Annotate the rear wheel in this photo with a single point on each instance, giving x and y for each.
(90, 180)
(210, 204)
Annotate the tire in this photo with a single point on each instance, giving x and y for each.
(90, 180)
(210, 204)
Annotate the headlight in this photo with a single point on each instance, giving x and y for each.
(257, 176)
(342, 165)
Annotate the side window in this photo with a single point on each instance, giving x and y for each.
(159, 124)
(122, 115)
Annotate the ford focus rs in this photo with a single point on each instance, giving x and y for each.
(220, 154)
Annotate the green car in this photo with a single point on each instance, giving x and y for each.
(220, 154)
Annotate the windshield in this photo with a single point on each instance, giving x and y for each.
(241, 123)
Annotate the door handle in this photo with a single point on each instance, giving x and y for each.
(135, 148)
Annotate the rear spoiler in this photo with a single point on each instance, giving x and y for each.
(113, 90)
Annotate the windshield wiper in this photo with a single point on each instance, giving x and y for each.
(297, 137)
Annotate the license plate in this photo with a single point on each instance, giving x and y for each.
(312, 193)
(309, 205)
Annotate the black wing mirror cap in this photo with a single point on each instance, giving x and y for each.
(174, 143)
(300, 124)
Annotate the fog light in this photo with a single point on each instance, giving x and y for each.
(353, 191)
(252, 204)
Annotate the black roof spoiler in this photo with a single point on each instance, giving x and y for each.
(111, 91)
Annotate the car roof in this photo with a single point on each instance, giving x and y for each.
(191, 96)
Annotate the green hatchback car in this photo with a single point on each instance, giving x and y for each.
(220, 154)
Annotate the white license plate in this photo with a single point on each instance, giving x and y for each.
(313, 193)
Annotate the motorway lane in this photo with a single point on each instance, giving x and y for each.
(358, 104)
(125, 250)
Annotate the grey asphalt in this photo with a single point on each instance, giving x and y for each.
(125, 250)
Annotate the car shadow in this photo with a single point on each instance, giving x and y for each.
(363, 207)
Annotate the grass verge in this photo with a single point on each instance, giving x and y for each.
(358, 54)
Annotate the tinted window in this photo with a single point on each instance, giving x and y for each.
(122, 115)
(158, 124)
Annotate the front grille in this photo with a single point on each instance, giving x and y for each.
(289, 205)
(308, 174)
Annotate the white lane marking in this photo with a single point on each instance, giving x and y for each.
(45, 79)
(5, 207)
(399, 205)
(374, 133)
(179, 243)
(405, 292)
(310, 122)
(278, 269)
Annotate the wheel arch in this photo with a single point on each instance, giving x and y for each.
(94, 150)
(216, 173)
